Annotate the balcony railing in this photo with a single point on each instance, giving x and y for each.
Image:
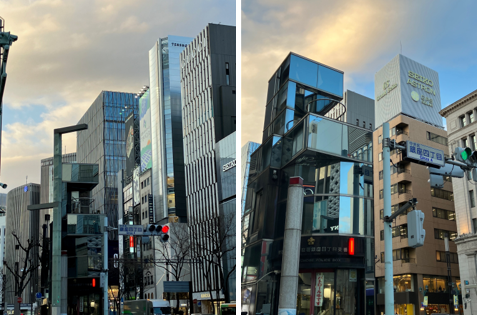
(401, 132)
(82, 205)
(404, 191)
(408, 260)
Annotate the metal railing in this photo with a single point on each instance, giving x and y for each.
(401, 132)
(408, 260)
(404, 191)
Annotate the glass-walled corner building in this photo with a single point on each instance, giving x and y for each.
(168, 179)
(336, 264)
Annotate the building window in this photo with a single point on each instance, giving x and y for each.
(441, 256)
(436, 138)
(443, 214)
(382, 257)
(227, 73)
(471, 117)
(462, 121)
(380, 156)
(473, 143)
(472, 198)
(443, 194)
(474, 223)
(440, 234)
(380, 139)
(435, 284)
(381, 194)
(403, 283)
(465, 143)
(380, 175)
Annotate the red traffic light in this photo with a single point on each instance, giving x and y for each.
(94, 282)
(165, 229)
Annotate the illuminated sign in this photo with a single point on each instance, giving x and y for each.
(387, 89)
(351, 246)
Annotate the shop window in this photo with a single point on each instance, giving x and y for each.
(434, 283)
(403, 283)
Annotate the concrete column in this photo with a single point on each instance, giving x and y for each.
(56, 241)
(64, 282)
(291, 248)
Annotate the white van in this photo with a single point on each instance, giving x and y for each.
(161, 307)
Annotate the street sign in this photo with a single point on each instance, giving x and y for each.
(199, 303)
(195, 301)
(38, 295)
(425, 155)
(101, 279)
(19, 299)
(131, 229)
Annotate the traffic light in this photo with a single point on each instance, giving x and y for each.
(466, 155)
(165, 235)
(415, 228)
(158, 230)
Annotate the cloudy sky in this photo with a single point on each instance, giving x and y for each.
(68, 51)
(358, 37)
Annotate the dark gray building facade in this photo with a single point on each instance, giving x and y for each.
(104, 143)
(208, 85)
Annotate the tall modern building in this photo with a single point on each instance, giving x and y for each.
(25, 225)
(225, 151)
(168, 179)
(104, 143)
(408, 98)
(461, 132)
(208, 72)
(334, 159)
(246, 153)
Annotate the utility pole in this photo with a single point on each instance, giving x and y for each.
(291, 247)
(449, 275)
(105, 267)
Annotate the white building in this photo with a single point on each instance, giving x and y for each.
(461, 130)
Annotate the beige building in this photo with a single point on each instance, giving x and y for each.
(461, 132)
(415, 268)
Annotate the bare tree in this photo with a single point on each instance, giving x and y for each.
(214, 243)
(174, 256)
(30, 262)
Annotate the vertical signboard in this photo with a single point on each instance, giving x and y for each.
(130, 152)
(151, 208)
(145, 131)
(320, 277)
(136, 189)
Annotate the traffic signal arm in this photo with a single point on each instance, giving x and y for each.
(411, 203)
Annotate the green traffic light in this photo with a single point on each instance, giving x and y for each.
(466, 154)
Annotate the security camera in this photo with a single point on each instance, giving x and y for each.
(4, 186)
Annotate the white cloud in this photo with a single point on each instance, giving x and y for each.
(67, 52)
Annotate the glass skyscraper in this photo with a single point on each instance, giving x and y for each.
(104, 143)
(166, 124)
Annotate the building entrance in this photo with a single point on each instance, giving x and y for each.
(328, 292)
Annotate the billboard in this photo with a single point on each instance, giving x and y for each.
(407, 87)
(130, 152)
(136, 190)
(145, 131)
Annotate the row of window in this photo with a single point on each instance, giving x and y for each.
(440, 234)
(398, 254)
(441, 256)
(443, 214)
(443, 194)
(145, 183)
(400, 230)
(403, 254)
(466, 119)
(394, 208)
(405, 283)
(396, 188)
(436, 138)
